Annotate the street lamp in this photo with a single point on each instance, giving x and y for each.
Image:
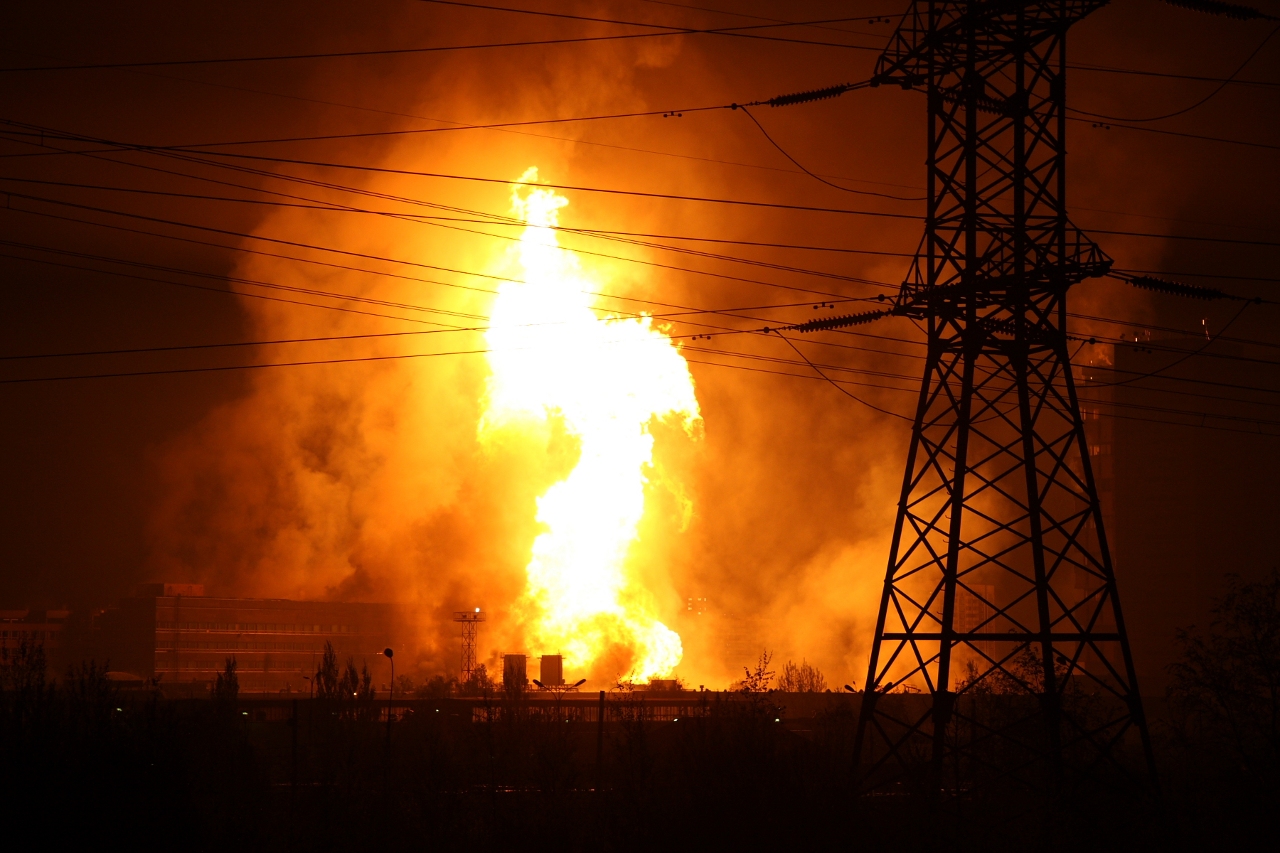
(390, 694)
(386, 765)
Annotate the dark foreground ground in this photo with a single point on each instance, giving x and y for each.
(84, 759)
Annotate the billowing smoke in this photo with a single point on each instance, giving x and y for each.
(368, 480)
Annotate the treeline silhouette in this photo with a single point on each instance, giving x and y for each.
(84, 757)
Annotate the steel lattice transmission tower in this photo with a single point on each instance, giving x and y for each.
(470, 620)
(999, 603)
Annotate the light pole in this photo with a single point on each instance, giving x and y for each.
(386, 764)
(390, 694)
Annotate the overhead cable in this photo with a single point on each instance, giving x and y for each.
(733, 32)
(670, 29)
(1198, 103)
(1226, 10)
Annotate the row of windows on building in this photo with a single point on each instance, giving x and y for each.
(217, 665)
(38, 636)
(225, 645)
(258, 627)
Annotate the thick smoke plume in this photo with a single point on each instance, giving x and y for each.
(367, 481)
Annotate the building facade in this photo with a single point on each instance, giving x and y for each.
(35, 627)
(176, 635)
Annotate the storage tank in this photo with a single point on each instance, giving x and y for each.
(514, 670)
(552, 670)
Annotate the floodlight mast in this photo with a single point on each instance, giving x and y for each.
(470, 620)
(999, 509)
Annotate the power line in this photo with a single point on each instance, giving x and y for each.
(671, 317)
(373, 134)
(869, 19)
(420, 264)
(480, 232)
(492, 219)
(675, 316)
(1110, 69)
(405, 356)
(1223, 276)
(773, 24)
(329, 249)
(1111, 415)
(735, 278)
(1196, 136)
(1223, 9)
(580, 230)
(637, 193)
(43, 132)
(333, 207)
(837, 385)
(1195, 238)
(380, 273)
(1213, 383)
(721, 330)
(1198, 103)
(233, 280)
(684, 309)
(815, 175)
(702, 199)
(1176, 362)
(1171, 330)
(735, 32)
(509, 182)
(498, 220)
(364, 336)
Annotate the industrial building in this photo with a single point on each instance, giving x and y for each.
(176, 635)
(39, 627)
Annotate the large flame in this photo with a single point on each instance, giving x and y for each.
(606, 379)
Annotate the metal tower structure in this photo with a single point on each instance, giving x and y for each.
(470, 620)
(1000, 647)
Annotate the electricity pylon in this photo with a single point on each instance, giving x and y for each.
(999, 607)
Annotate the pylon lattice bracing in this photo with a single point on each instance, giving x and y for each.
(1000, 601)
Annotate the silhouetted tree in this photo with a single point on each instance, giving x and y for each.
(326, 677)
(802, 678)
(25, 693)
(1021, 674)
(759, 679)
(350, 684)
(226, 687)
(91, 697)
(480, 684)
(437, 687)
(1226, 686)
(24, 668)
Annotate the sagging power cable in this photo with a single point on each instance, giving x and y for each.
(1225, 10)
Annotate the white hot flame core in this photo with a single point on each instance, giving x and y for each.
(551, 355)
